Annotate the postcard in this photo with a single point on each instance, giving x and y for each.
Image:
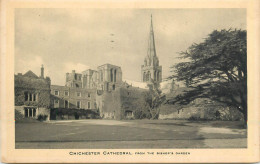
(130, 81)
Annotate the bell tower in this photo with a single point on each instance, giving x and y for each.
(151, 70)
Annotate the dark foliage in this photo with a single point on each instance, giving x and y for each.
(42, 117)
(215, 69)
(18, 115)
(155, 99)
(77, 113)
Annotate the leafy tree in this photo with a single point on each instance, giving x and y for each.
(215, 69)
(156, 99)
(143, 106)
(147, 106)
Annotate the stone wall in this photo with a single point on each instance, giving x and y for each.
(200, 109)
(109, 104)
(44, 111)
(130, 99)
(33, 94)
(39, 111)
(115, 104)
(38, 86)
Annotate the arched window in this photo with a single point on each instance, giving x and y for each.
(148, 76)
(115, 75)
(144, 77)
(158, 76)
(111, 75)
(154, 76)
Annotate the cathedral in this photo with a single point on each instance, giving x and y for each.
(101, 90)
(102, 93)
(151, 70)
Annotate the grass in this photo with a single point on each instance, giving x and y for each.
(118, 134)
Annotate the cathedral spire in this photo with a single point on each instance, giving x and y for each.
(151, 70)
(151, 45)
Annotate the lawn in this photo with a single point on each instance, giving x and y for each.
(130, 134)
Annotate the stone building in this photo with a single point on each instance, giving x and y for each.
(151, 70)
(120, 103)
(74, 80)
(109, 77)
(113, 98)
(32, 94)
(106, 77)
(80, 89)
(72, 97)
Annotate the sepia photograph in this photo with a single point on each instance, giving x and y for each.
(131, 78)
(129, 82)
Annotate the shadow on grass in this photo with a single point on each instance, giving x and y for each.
(175, 124)
(230, 124)
(221, 124)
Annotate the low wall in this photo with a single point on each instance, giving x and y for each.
(209, 113)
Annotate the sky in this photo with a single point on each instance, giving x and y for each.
(64, 39)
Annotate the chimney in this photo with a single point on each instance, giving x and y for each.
(42, 72)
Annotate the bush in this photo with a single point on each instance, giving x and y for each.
(76, 115)
(42, 117)
(139, 114)
(18, 115)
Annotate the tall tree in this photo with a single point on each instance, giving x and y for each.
(156, 99)
(215, 69)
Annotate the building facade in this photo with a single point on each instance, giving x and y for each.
(109, 77)
(80, 89)
(151, 70)
(32, 94)
(71, 97)
(120, 103)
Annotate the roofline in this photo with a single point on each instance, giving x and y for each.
(108, 64)
(89, 69)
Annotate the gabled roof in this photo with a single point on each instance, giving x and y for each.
(30, 74)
